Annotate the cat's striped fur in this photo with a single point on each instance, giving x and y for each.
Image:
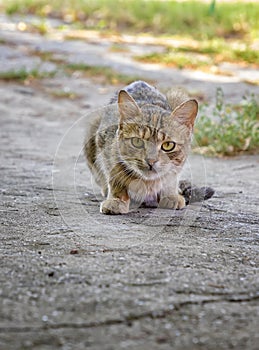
(137, 147)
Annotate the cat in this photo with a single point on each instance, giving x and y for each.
(137, 147)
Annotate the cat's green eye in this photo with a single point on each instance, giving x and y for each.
(137, 142)
(168, 146)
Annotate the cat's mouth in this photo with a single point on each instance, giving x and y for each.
(146, 173)
(150, 173)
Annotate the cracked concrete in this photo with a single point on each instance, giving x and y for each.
(72, 278)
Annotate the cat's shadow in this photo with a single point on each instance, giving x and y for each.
(191, 193)
(143, 215)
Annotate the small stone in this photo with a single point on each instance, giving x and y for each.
(45, 318)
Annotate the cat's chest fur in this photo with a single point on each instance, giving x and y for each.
(147, 192)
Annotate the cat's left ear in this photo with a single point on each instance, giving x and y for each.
(186, 113)
(127, 106)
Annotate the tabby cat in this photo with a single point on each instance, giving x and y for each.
(137, 147)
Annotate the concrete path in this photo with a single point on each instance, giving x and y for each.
(72, 278)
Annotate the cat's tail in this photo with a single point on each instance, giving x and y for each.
(193, 193)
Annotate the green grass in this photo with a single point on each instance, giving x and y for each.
(23, 74)
(204, 54)
(61, 94)
(232, 130)
(176, 58)
(226, 32)
(189, 18)
(102, 74)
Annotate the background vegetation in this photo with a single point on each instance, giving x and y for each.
(196, 19)
(195, 35)
(231, 130)
(211, 32)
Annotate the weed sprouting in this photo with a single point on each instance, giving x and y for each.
(24, 74)
(230, 130)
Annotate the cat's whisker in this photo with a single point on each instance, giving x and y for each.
(121, 173)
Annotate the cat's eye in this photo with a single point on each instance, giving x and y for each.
(168, 146)
(137, 142)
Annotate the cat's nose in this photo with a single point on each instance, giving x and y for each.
(151, 163)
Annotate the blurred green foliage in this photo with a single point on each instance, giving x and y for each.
(231, 130)
(198, 19)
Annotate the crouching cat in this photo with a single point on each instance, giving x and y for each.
(137, 150)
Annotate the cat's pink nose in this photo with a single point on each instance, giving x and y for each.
(151, 163)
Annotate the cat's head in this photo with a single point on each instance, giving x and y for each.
(153, 141)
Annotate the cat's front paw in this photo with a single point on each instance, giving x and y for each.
(114, 206)
(172, 202)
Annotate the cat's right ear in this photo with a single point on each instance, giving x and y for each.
(127, 106)
(186, 113)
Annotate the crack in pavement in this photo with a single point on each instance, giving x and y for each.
(154, 314)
